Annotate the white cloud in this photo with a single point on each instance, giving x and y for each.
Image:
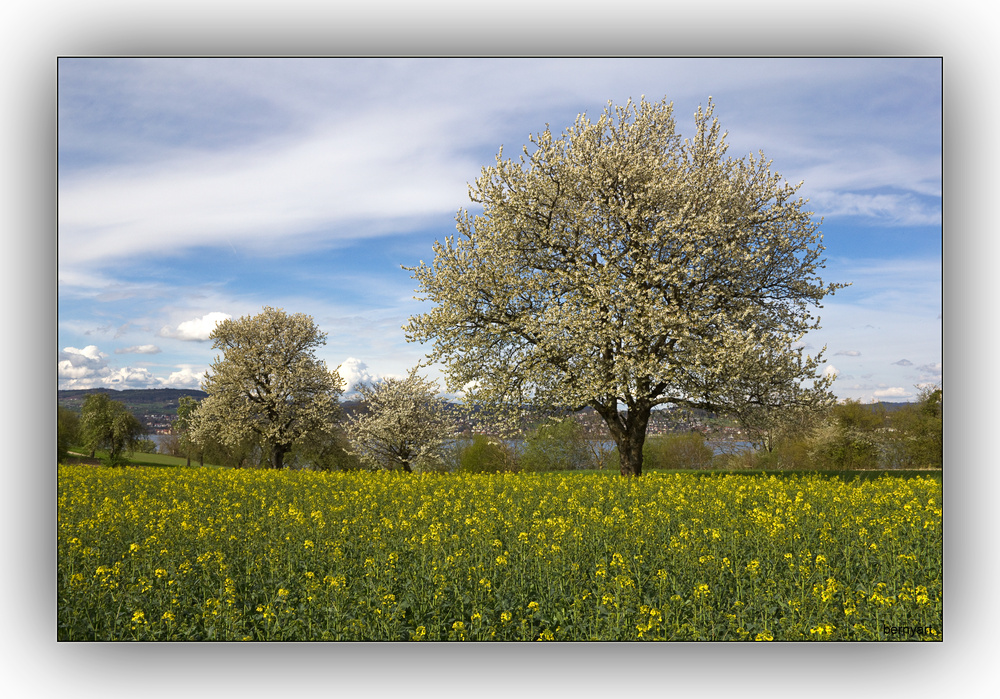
(196, 330)
(185, 377)
(893, 392)
(139, 349)
(850, 353)
(830, 370)
(82, 366)
(354, 371)
(131, 377)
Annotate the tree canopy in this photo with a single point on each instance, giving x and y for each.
(623, 267)
(107, 424)
(268, 385)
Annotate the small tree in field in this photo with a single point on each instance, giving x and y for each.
(107, 424)
(622, 267)
(406, 424)
(68, 431)
(184, 424)
(268, 385)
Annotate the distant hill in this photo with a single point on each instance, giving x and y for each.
(140, 402)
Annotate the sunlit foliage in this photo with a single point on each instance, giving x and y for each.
(404, 424)
(621, 266)
(268, 386)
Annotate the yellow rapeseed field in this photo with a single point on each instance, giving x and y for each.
(209, 554)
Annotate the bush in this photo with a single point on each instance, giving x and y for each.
(144, 446)
(787, 455)
(916, 436)
(557, 446)
(322, 451)
(685, 450)
(483, 455)
(852, 438)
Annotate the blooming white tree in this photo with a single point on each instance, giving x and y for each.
(622, 267)
(268, 385)
(405, 424)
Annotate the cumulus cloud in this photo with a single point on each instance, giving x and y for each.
(197, 329)
(353, 372)
(131, 377)
(82, 367)
(88, 368)
(138, 349)
(185, 377)
(830, 370)
(904, 362)
(850, 353)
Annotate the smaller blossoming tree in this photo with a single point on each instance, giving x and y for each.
(406, 424)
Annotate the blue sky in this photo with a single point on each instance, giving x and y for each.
(196, 189)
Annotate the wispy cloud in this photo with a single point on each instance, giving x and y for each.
(848, 353)
(139, 349)
(886, 209)
(232, 184)
(892, 392)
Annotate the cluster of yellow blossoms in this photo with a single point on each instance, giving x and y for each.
(206, 554)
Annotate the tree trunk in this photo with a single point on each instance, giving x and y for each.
(628, 429)
(278, 456)
(630, 451)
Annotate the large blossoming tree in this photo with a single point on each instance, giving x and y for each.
(622, 267)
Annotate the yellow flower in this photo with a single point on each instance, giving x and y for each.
(533, 606)
(764, 636)
(822, 630)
